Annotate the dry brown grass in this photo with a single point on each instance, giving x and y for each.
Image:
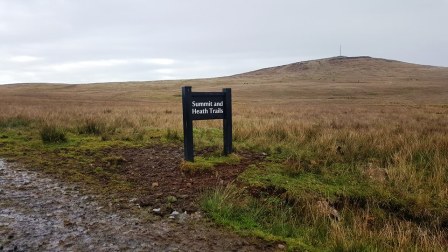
(372, 113)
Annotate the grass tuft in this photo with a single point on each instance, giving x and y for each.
(91, 127)
(52, 134)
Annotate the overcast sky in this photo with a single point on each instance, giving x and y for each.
(80, 41)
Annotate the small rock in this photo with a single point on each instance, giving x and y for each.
(157, 211)
(155, 184)
(174, 215)
(281, 246)
(86, 198)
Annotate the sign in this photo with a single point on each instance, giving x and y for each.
(206, 106)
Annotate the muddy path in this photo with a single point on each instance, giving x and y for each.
(38, 213)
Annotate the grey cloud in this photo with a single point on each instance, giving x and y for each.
(88, 41)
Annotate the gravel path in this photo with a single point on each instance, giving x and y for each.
(38, 213)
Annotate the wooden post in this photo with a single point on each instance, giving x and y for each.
(188, 124)
(227, 122)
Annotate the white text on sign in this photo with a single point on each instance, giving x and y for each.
(208, 107)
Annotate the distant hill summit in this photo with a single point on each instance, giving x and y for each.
(349, 69)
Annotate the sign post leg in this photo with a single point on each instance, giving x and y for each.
(227, 122)
(188, 124)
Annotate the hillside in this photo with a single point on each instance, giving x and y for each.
(358, 79)
(352, 69)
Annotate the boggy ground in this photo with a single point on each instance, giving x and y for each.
(41, 213)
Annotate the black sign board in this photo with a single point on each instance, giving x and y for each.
(206, 106)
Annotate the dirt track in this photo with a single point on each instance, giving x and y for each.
(39, 213)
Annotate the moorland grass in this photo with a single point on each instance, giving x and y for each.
(317, 153)
(52, 134)
(374, 152)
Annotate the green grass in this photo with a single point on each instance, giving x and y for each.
(285, 207)
(52, 134)
(207, 136)
(73, 159)
(15, 122)
(329, 186)
(208, 163)
(276, 219)
(268, 218)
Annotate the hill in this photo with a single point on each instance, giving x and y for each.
(362, 79)
(351, 69)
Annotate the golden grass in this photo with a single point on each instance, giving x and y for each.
(374, 115)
